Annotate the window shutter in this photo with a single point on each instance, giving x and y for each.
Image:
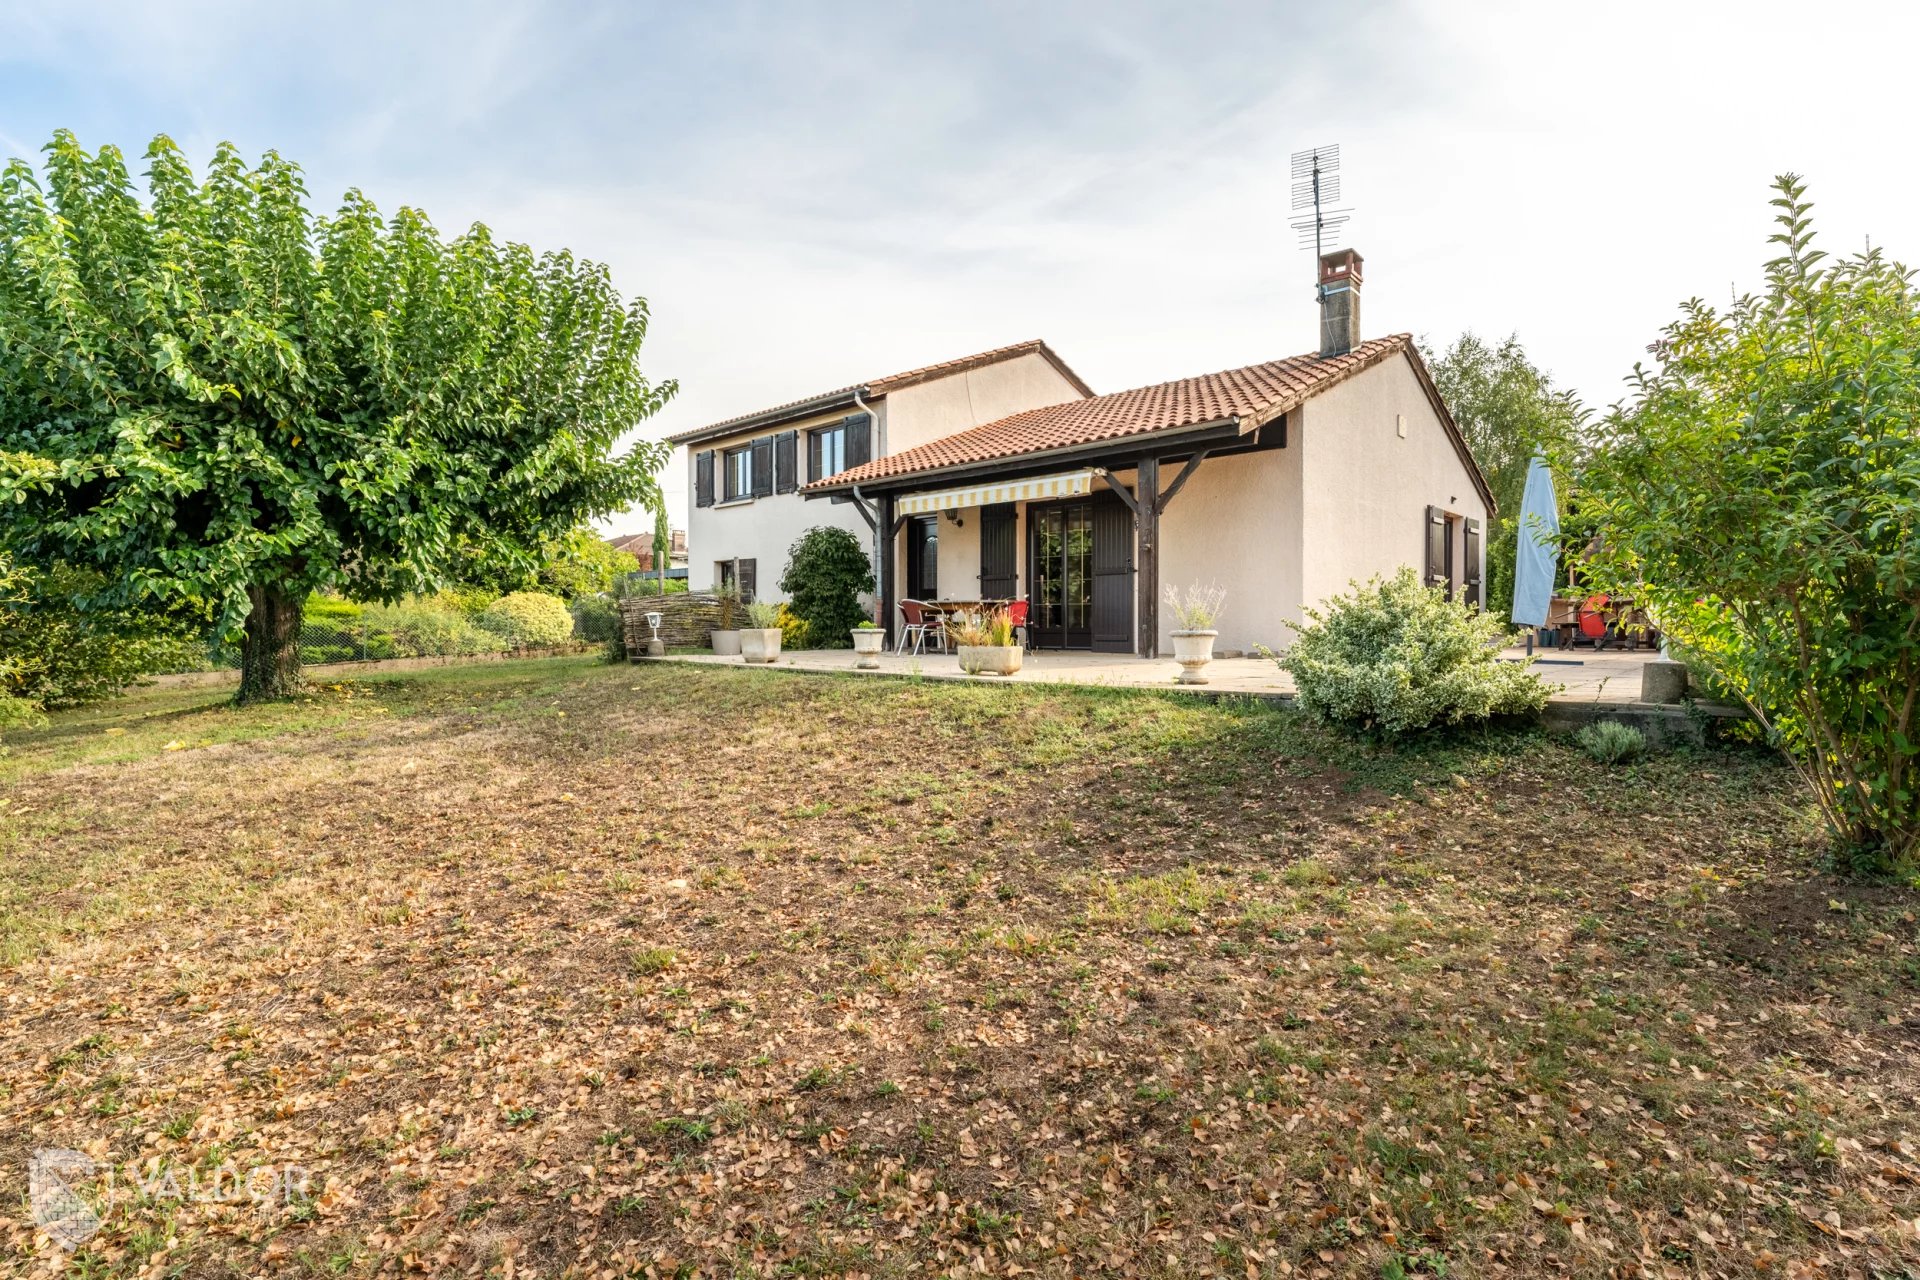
(1436, 547)
(747, 577)
(859, 440)
(784, 479)
(1474, 596)
(813, 456)
(703, 478)
(763, 466)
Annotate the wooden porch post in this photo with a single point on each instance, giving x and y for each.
(1146, 563)
(883, 512)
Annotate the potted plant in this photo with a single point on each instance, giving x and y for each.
(868, 639)
(984, 644)
(725, 638)
(760, 638)
(1195, 611)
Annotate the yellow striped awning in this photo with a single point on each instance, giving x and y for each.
(1068, 484)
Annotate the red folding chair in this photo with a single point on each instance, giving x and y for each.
(1592, 619)
(1017, 615)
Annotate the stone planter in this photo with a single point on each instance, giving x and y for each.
(988, 659)
(867, 643)
(1193, 650)
(726, 643)
(759, 644)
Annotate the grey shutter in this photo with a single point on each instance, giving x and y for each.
(1112, 623)
(1472, 574)
(1436, 547)
(784, 478)
(763, 466)
(999, 552)
(703, 478)
(859, 439)
(746, 576)
(813, 457)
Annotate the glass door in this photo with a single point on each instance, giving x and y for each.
(1061, 546)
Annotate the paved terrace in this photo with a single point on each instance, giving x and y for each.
(1598, 678)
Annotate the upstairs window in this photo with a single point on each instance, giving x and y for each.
(826, 452)
(739, 473)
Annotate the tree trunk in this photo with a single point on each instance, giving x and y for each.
(270, 651)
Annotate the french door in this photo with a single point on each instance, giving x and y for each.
(1080, 575)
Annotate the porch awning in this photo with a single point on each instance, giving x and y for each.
(1067, 484)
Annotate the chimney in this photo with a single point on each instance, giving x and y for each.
(1339, 302)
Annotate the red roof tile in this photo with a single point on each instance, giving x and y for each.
(1259, 391)
(874, 388)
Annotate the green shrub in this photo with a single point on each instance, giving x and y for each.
(1394, 657)
(424, 627)
(1761, 499)
(763, 616)
(1610, 742)
(827, 570)
(529, 619)
(596, 620)
(54, 654)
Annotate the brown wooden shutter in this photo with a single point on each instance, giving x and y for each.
(859, 440)
(763, 466)
(785, 472)
(1436, 547)
(703, 478)
(1472, 573)
(746, 576)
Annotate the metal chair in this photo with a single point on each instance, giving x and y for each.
(923, 623)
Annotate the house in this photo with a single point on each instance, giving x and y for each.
(640, 547)
(745, 474)
(1280, 482)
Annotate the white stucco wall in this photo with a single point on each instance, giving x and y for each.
(1236, 524)
(1365, 490)
(760, 529)
(918, 414)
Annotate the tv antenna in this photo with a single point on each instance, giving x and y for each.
(1316, 186)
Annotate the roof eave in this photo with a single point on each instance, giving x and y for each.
(842, 398)
(828, 488)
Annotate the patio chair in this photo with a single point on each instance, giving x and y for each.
(923, 623)
(1017, 614)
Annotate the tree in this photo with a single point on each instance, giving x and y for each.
(827, 570)
(1509, 410)
(578, 563)
(217, 395)
(1761, 496)
(662, 547)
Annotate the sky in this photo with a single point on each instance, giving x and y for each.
(811, 194)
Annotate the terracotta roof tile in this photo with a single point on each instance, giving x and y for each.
(874, 388)
(1255, 391)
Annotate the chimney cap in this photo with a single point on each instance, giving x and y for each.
(1340, 265)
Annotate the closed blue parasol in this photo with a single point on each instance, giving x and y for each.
(1539, 550)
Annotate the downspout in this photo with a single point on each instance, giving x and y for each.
(881, 537)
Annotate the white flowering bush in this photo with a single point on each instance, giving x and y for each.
(1393, 657)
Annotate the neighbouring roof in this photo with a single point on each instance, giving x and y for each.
(875, 388)
(1255, 394)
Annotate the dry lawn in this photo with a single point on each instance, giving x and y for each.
(558, 969)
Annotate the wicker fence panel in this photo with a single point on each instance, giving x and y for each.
(686, 618)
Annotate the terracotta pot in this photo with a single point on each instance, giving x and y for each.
(988, 659)
(1193, 650)
(759, 644)
(867, 642)
(726, 643)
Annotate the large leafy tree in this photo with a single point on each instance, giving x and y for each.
(1761, 493)
(216, 394)
(1508, 410)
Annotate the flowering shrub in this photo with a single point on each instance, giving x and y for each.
(529, 619)
(1393, 657)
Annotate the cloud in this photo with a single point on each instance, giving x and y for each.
(811, 195)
